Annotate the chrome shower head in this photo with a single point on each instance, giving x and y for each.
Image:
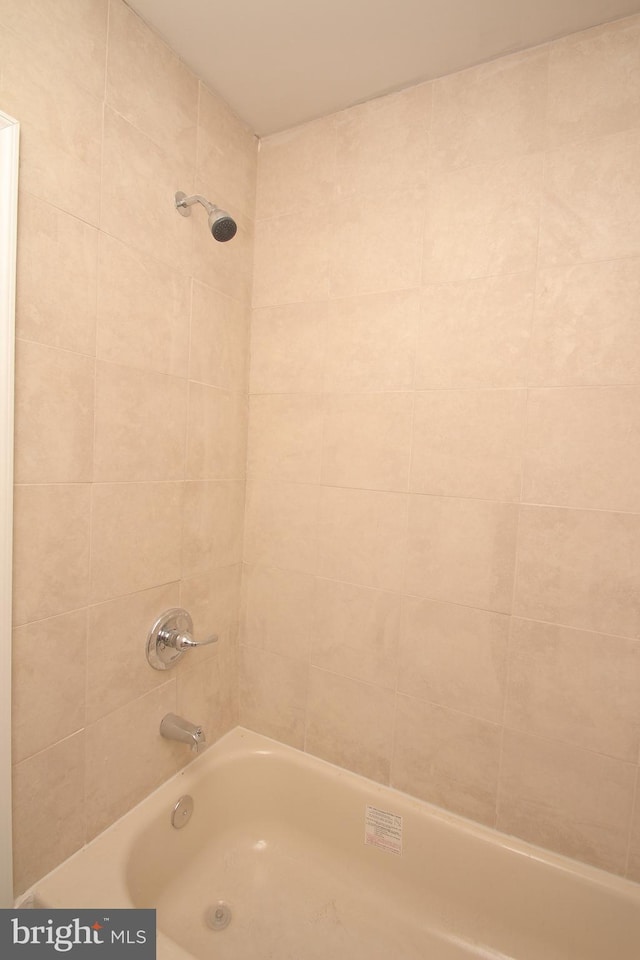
(221, 224)
(223, 227)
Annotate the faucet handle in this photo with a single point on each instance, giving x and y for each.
(169, 638)
(184, 641)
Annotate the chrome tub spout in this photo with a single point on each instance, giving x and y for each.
(173, 727)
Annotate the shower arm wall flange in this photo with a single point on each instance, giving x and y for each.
(184, 203)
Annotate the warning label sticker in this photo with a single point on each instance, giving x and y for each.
(383, 829)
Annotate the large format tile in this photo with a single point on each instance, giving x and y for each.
(49, 667)
(362, 537)
(350, 723)
(288, 346)
(462, 551)
(278, 611)
(139, 181)
(376, 247)
(447, 758)
(583, 448)
(590, 207)
(140, 425)
(213, 600)
(585, 329)
(135, 537)
(367, 440)
(60, 123)
(291, 259)
(49, 309)
(575, 686)
(72, 33)
(468, 443)
(219, 339)
(208, 693)
(281, 525)
(371, 342)
(355, 632)
(117, 671)
(123, 769)
(48, 809)
(216, 433)
(51, 550)
(54, 415)
(149, 85)
(382, 145)
(482, 220)
(212, 524)
(566, 799)
(491, 111)
(225, 267)
(285, 437)
(454, 656)
(594, 82)
(227, 156)
(296, 168)
(475, 333)
(579, 568)
(143, 311)
(281, 717)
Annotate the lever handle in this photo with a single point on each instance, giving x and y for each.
(184, 641)
(170, 637)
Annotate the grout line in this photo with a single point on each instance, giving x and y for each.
(635, 811)
(523, 467)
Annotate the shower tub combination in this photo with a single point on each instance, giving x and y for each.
(286, 857)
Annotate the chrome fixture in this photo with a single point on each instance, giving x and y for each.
(181, 813)
(173, 727)
(221, 224)
(170, 636)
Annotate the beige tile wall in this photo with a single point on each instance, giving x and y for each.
(132, 349)
(442, 542)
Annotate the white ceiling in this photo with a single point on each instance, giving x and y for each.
(278, 63)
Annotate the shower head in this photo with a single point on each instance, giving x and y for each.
(221, 224)
(223, 227)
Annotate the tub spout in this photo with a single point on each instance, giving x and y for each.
(173, 727)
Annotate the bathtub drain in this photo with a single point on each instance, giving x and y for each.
(218, 916)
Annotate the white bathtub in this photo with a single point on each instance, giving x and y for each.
(279, 836)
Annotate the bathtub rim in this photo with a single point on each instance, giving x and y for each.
(241, 743)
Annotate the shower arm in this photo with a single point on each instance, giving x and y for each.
(221, 224)
(183, 202)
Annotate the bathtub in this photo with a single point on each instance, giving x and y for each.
(311, 862)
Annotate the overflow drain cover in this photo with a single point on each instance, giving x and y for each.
(181, 813)
(218, 916)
